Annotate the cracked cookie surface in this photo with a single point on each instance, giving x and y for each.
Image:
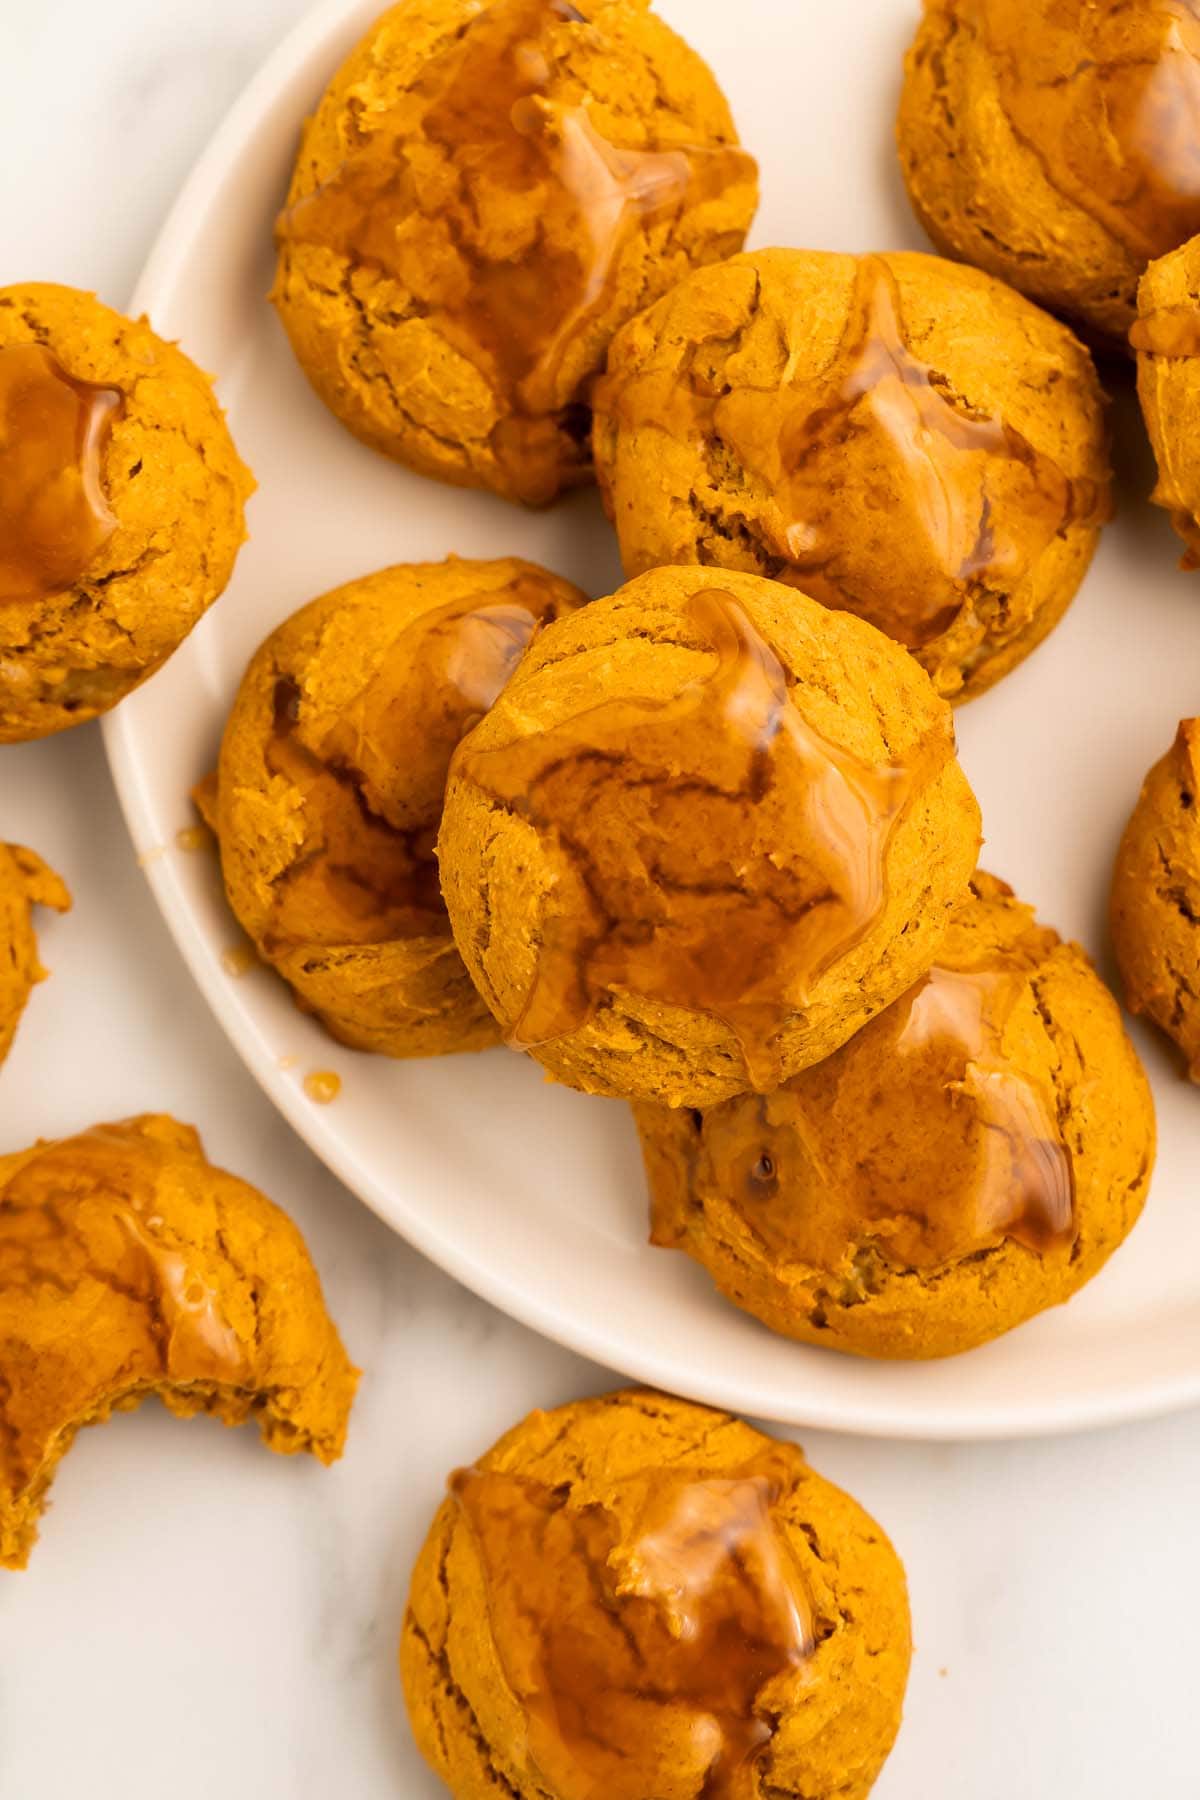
(895, 435)
(633, 1595)
(153, 491)
(130, 1266)
(25, 882)
(484, 195)
(974, 1155)
(330, 788)
(708, 829)
(1155, 907)
(1056, 143)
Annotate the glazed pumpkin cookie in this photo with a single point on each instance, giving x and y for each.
(634, 1596)
(972, 1157)
(1166, 337)
(25, 882)
(1056, 143)
(130, 1266)
(330, 788)
(895, 435)
(1156, 897)
(707, 831)
(485, 194)
(121, 499)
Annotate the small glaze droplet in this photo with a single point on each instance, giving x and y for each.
(194, 837)
(323, 1086)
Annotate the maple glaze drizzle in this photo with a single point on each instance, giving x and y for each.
(59, 1232)
(611, 1635)
(1107, 97)
(373, 779)
(728, 888)
(199, 1343)
(54, 516)
(972, 504)
(1025, 1186)
(438, 197)
(923, 1136)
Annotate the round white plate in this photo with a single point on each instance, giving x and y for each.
(528, 1193)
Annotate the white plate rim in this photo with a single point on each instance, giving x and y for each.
(1027, 1416)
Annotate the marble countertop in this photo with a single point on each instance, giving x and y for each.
(204, 1619)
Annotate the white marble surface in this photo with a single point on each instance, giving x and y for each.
(202, 1619)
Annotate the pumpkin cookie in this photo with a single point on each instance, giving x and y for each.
(973, 1156)
(330, 789)
(130, 1266)
(1156, 897)
(1056, 143)
(706, 832)
(121, 499)
(634, 1596)
(1166, 337)
(485, 194)
(894, 435)
(25, 882)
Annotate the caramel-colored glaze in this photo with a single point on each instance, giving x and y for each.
(369, 878)
(956, 507)
(488, 104)
(1024, 1187)
(990, 1160)
(1169, 331)
(972, 498)
(1107, 97)
(54, 517)
(600, 1631)
(238, 960)
(323, 1086)
(196, 1333)
(56, 1229)
(734, 933)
